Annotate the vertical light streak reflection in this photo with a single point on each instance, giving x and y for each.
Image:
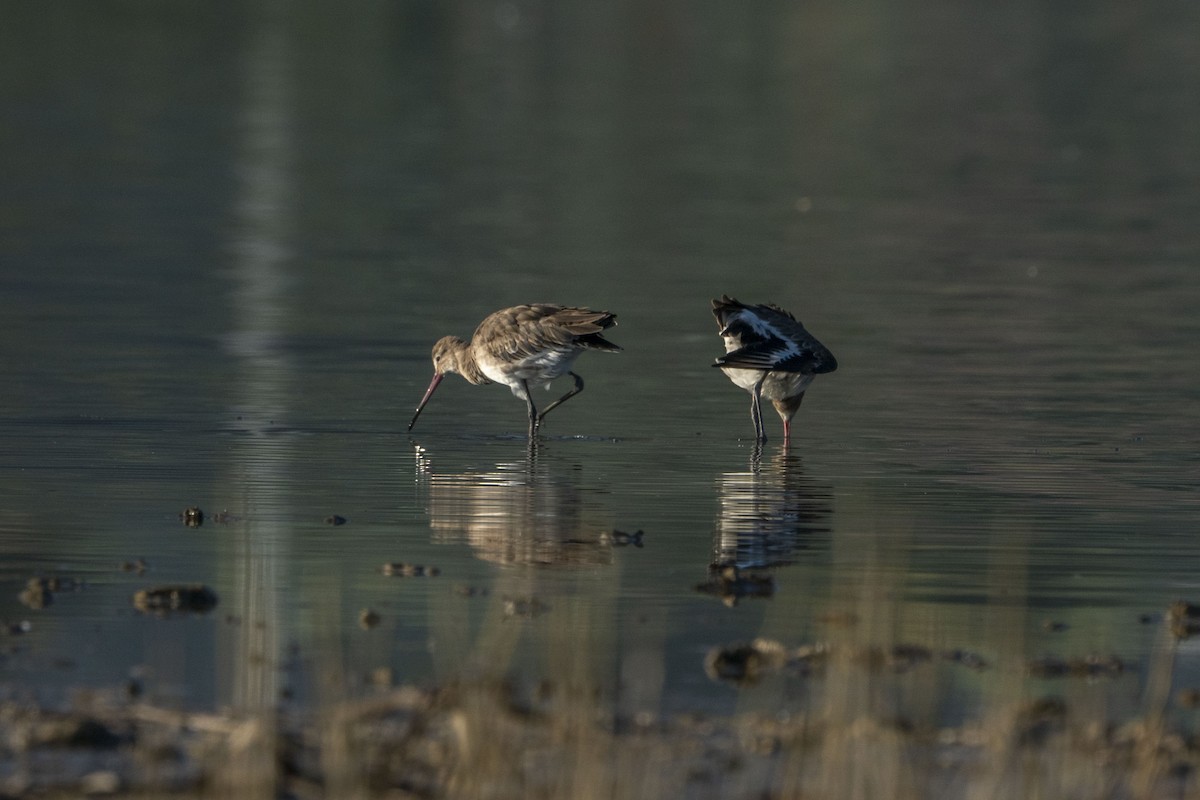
(249, 653)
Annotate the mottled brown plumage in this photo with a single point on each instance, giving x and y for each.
(523, 347)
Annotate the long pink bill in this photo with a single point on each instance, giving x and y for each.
(437, 378)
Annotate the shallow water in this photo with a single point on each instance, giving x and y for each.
(230, 240)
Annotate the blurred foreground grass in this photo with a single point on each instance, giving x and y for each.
(867, 730)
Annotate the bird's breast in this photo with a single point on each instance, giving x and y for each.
(745, 378)
(782, 385)
(777, 386)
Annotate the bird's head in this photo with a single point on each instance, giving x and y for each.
(447, 353)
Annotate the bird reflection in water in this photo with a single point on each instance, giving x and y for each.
(766, 516)
(523, 512)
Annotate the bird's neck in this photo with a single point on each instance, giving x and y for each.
(467, 366)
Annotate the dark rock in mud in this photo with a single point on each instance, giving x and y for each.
(404, 570)
(809, 659)
(1048, 667)
(162, 600)
(192, 516)
(18, 628)
(66, 730)
(39, 592)
(526, 607)
(897, 658)
(731, 584)
(58, 584)
(137, 565)
(623, 539)
(1184, 619)
(36, 594)
(368, 618)
(1040, 718)
(745, 663)
(1092, 666)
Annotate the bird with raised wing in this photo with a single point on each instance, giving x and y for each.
(524, 347)
(769, 353)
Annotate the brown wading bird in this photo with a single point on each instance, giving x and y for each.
(523, 347)
(770, 354)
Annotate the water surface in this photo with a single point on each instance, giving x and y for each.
(229, 238)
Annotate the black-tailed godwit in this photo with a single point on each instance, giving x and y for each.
(523, 347)
(769, 354)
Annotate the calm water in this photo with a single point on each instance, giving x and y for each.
(229, 236)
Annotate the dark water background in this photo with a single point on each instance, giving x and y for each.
(229, 234)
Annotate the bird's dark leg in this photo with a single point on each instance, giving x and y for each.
(578, 388)
(760, 431)
(534, 420)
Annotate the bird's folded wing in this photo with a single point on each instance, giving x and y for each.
(780, 355)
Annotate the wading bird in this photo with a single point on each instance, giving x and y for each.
(523, 347)
(769, 354)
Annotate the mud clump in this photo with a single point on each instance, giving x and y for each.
(36, 594)
(1039, 719)
(137, 565)
(1092, 666)
(897, 658)
(623, 539)
(730, 584)
(400, 569)
(745, 663)
(1184, 619)
(524, 607)
(164, 600)
(39, 592)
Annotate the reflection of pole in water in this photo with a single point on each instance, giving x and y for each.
(768, 513)
(249, 654)
(519, 513)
